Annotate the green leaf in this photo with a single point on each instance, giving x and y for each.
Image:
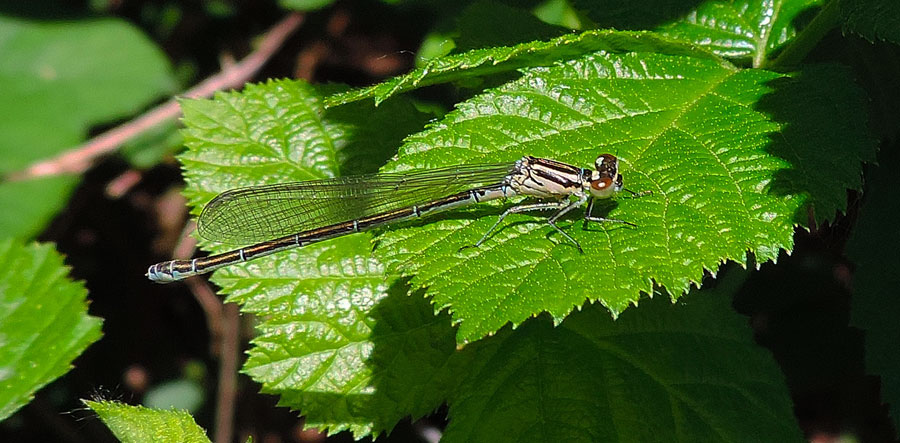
(744, 30)
(872, 19)
(873, 249)
(139, 424)
(59, 79)
(733, 158)
(482, 62)
(319, 303)
(51, 73)
(339, 344)
(643, 15)
(721, 148)
(486, 23)
(279, 132)
(43, 321)
(304, 5)
(31, 204)
(689, 372)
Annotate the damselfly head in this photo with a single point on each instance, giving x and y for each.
(605, 179)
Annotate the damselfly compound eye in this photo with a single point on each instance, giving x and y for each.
(607, 164)
(601, 184)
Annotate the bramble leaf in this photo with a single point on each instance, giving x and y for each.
(323, 307)
(661, 372)
(873, 19)
(743, 29)
(139, 424)
(44, 323)
(733, 158)
(480, 62)
(873, 250)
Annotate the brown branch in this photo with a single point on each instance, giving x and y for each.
(228, 371)
(78, 159)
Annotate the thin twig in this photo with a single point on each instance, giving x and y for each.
(228, 367)
(78, 159)
(205, 296)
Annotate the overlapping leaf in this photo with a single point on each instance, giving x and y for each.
(730, 164)
(486, 61)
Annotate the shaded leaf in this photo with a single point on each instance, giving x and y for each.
(635, 16)
(487, 23)
(872, 19)
(873, 249)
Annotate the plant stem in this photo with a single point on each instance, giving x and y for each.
(80, 158)
(826, 20)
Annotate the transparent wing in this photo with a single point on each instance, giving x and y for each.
(260, 213)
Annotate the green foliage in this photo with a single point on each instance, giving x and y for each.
(735, 159)
(697, 133)
(873, 19)
(482, 62)
(139, 424)
(51, 73)
(31, 204)
(43, 321)
(344, 345)
(305, 5)
(516, 336)
(660, 373)
(742, 30)
(873, 249)
(58, 82)
(478, 26)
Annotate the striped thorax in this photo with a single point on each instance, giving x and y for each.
(545, 178)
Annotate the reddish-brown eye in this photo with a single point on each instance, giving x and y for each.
(602, 183)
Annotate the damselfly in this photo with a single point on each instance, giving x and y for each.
(285, 216)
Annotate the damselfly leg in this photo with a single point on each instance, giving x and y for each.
(564, 206)
(590, 218)
(545, 206)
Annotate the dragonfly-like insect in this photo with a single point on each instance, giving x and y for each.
(283, 216)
